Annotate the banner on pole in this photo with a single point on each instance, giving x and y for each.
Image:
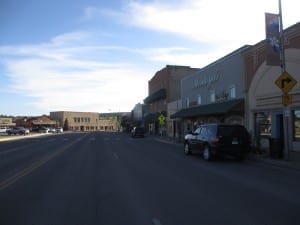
(273, 39)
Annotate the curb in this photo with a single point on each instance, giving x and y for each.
(290, 164)
(20, 137)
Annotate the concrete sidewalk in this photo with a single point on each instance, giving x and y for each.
(292, 163)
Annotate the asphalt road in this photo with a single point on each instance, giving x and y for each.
(113, 179)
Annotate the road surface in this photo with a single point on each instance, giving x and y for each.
(113, 179)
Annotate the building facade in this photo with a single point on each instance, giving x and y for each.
(264, 108)
(110, 121)
(215, 93)
(6, 122)
(163, 89)
(87, 121)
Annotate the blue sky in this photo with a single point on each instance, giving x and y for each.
(98, 56)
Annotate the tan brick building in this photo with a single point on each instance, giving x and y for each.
(87, 121)
(6, 122)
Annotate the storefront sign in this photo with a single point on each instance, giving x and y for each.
(206, 80)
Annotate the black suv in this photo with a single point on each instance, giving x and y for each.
(138, 132)
(218, 139)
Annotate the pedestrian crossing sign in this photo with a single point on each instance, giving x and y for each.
(161, 119)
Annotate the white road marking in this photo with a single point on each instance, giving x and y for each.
(156, 221)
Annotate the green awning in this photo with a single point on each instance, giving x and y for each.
(211, 109)
(160, 94)
(153, 117)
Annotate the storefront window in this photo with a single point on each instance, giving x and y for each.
(232, 92)
(199, 101)
(212, 96)
(297, 124)
(187, 102)
(263, 124)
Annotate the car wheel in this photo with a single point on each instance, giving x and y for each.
(187, 149)
(206, 153)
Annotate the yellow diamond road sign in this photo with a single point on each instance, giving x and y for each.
(285, 82)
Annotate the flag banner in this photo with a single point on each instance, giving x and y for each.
(273, 39)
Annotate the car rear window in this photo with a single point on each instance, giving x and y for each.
(236, 131)
(139, 129)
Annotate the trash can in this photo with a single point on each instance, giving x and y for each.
(276, 148)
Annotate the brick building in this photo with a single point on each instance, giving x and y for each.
(264, 108)
(163, 89)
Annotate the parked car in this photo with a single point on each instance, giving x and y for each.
(35, 129)
(3, 129)
(52, 130)
(59, 130)
(18, 130)
(218, 139)
(138, 132)
(43, 130)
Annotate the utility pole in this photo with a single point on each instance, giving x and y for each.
(286, 110)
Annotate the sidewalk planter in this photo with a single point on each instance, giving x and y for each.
(276, 148)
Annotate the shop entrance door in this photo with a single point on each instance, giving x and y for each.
(279, 127)
(277, 143)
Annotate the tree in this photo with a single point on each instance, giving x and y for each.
(66, 125)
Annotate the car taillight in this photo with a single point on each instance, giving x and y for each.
(216, 140)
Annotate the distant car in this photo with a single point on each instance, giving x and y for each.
(59, 130)
(43, 130)
(35, 129)
(18, 131)
(3, 129)
(52, 130)
(138, 132)
(218, 139)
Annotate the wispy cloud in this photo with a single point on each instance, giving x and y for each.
(183, 56)
(232, 22)
(60, 77)
(72, 71)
